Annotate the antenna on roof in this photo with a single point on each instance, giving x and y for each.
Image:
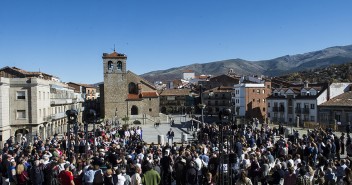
(39, 69)
(114, 47)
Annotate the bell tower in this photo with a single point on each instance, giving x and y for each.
(115, 84)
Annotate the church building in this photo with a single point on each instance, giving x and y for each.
(125, 93)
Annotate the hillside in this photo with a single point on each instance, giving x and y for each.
(274, 67)
(333, 73)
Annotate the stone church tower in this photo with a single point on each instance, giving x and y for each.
(125, 93)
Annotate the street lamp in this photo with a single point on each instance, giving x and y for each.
(225, 167)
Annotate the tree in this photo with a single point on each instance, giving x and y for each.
(125, 119)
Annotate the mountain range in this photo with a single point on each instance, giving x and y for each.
(273, 67)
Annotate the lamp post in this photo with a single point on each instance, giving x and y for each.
(201, 106)
(224, 165)
(72, 120)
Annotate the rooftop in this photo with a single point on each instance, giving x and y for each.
(343, 100)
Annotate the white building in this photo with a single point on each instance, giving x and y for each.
(286, 105)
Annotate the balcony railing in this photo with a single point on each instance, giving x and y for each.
(305, 110)
(60, 101)
(58, 115)
(302, 110)
(298, 110)
(275, 109)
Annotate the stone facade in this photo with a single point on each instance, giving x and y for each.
(31, 104)
(125, 93)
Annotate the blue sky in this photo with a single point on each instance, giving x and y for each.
(66, 38)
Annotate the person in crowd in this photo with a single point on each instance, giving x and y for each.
(150, 177)
(243, 179)
(136, 178)
(254, 154)
(36, 173)
(66, 176)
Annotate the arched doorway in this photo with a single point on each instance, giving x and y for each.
(20, 133)
(41, 132)
(134, 110)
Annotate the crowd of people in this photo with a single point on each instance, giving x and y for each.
(221, 154)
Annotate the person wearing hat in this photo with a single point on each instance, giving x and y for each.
(66, 176)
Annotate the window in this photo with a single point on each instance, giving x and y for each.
(258, 100)
(263, 100)
(312, 106)
(298, 105)
(253, 100)
(268, 86)
(268, 104)
(268, 114)
(263, 91)
(110, 66)
(119, 65)
(258, 91)
(253, 90)
(312, 118)
(150, 110)
(132, 88)
(21, 95)
(264, 109)
(21, 114)
(216, 102)
(40, 95)
(43, 95)
(40, 112)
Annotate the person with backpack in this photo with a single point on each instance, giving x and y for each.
(98, 176)
(66, 176)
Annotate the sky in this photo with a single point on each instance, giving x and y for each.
(66, 38)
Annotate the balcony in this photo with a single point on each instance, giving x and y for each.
(302, 110)
(305, 110)
(298, 110)
(58, 115)
(275, 109)
(61, 101)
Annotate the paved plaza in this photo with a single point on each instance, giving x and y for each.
(151, 132)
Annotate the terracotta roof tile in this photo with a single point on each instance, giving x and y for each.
(175, 92)
(149, 94)
(114, 55)
(133, 97)
(344, 100)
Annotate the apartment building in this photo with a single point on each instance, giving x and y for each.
(176, 101)
(33, 103)
(217, 99)
(249, 98)
(300, 102)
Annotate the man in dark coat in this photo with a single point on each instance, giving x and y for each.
(36, 174)
(180, 171)
(192, 174)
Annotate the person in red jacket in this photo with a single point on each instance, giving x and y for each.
(66, 176)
